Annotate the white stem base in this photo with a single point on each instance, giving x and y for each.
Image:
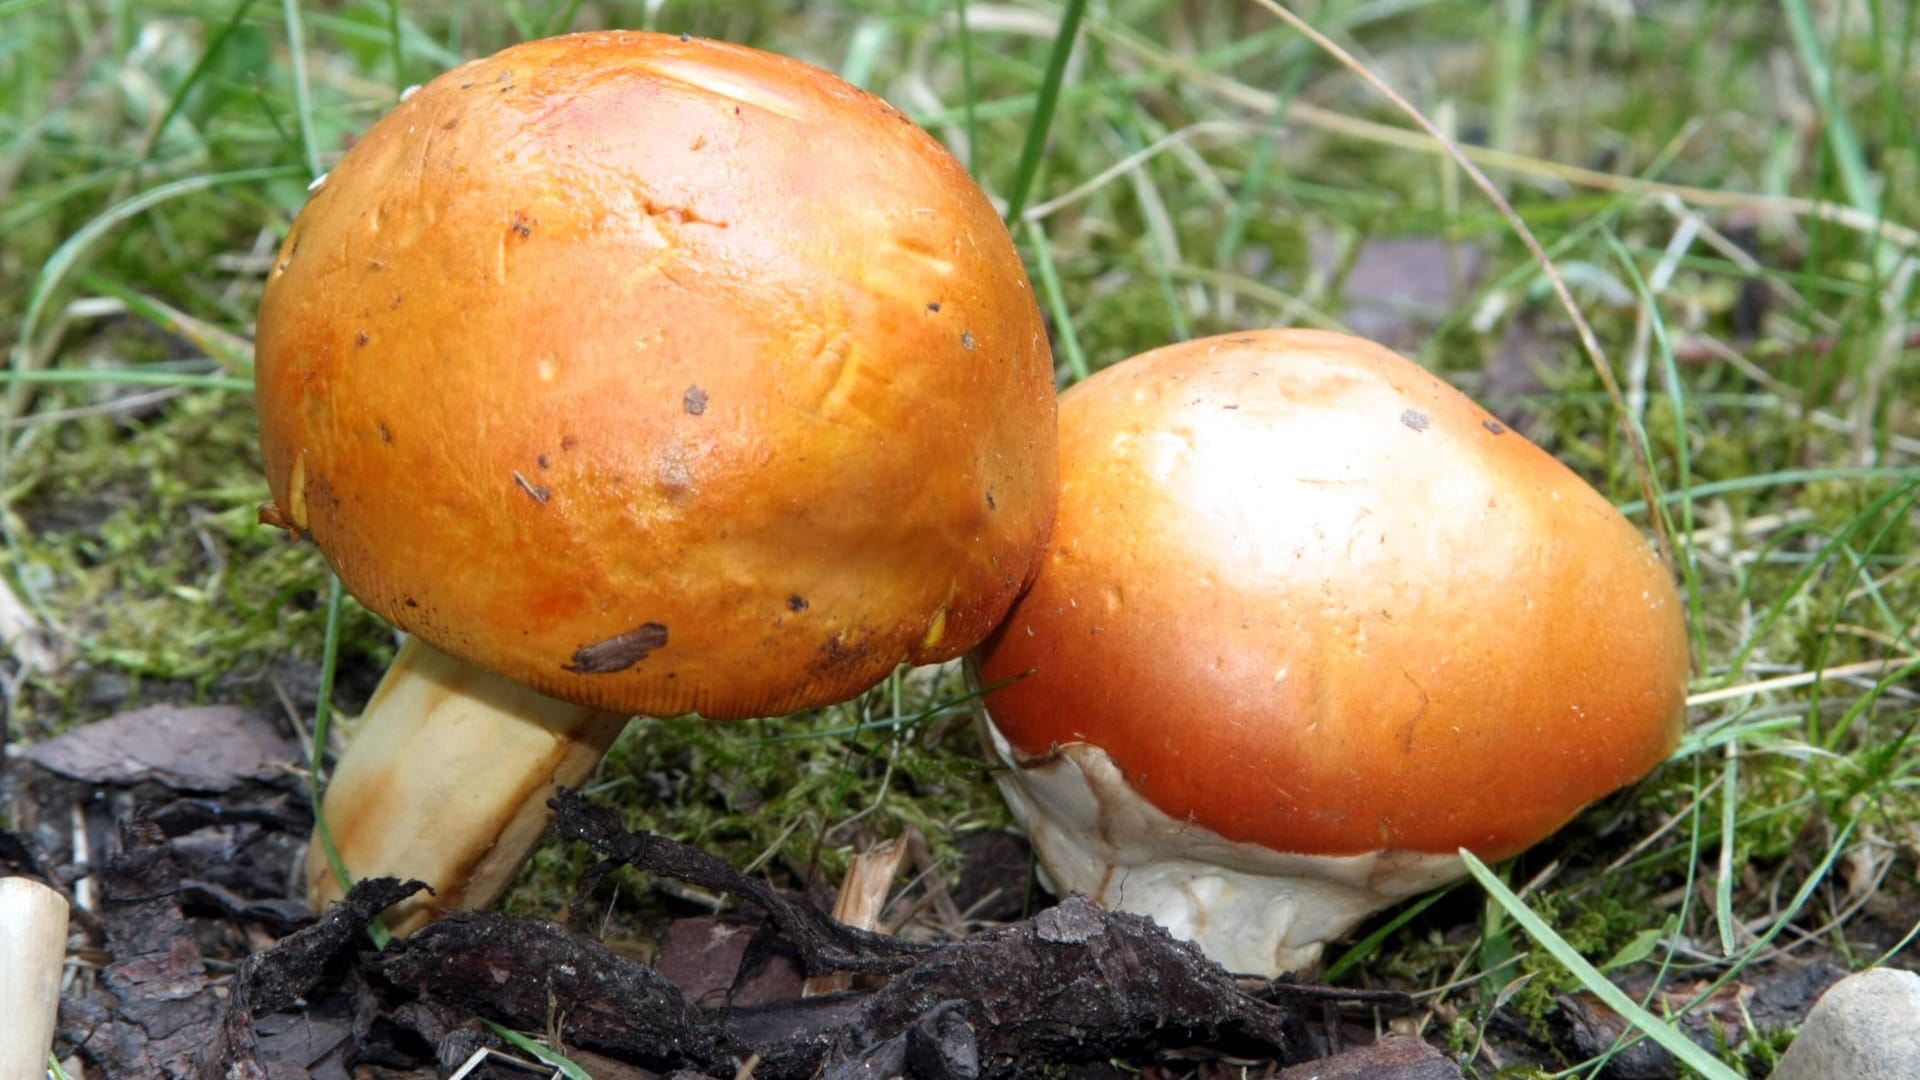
(33, 950)
(1252, 910)
(447, 781)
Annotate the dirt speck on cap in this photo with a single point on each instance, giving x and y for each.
(620, 652)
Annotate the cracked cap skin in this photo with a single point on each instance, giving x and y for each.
(660, 375)
(1308, 596)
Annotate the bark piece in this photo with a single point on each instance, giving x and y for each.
(250, 1043)
(214, 749)
(525, 973)
(1074, 983)
(825, 946)
(162, 1012)
(705, 957)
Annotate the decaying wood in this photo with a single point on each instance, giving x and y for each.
(527, 974)
(275, 978)
(863, 896)
(1073, 983)
(824, 946)
(160, 1011)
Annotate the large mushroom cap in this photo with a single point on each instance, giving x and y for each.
(661, 375)
(1305, 596)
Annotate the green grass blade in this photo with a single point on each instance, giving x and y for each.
(229, 350)
(215, 44)
(542, 1051)
(1370, 944)
(1682, 442)
(1056, 300)
(1676, 1043)
(1826, 554)
(420, 47)
(1729, 837)
(1254, 186)
(124, 377)
(322, 727)
(1847, 155)
(395, 49)
(1781, 919)
(969, 88)
(302, 88)
(1034, 149)
(68, 254)
(559, 21)
(1783, 478)
(868, 42)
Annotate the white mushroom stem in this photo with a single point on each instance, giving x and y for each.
(33, 950)
(1252, 910)
(447, 781)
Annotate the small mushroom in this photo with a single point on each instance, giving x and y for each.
(1310, 623)
(602, 367)
(33, 953)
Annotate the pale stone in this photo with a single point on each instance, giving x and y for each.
(1866, 1027)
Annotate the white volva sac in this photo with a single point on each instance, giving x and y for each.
(1252, 910)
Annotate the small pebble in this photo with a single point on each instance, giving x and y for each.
(1866, 1027)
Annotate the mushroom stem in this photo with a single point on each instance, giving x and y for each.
(33, 948)
(448, 781)
(1252, 910)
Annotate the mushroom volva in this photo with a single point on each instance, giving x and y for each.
(639, 374)
(1309, 623)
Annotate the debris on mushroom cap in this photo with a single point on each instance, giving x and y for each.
(661, 375)
(1302, 597)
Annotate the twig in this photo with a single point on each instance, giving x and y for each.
(824, 945)
(1801, 678)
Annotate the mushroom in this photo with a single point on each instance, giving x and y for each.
(33, 955)
(639, 374)
(1311, 622)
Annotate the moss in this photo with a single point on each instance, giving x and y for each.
(800, 795)
(139, 532)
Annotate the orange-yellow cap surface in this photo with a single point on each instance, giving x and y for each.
(661, 375)
(1307, 595)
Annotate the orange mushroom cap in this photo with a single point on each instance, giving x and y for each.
(1307, 596)
(661, 375)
